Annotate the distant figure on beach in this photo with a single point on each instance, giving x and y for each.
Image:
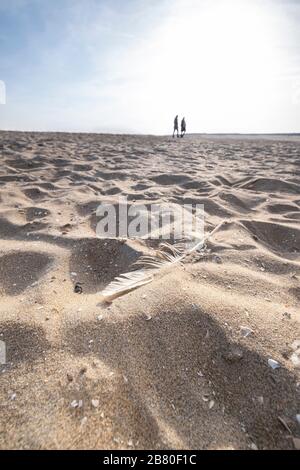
(183, 127)
(176, 126)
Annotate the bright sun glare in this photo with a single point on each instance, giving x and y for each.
(217, 59)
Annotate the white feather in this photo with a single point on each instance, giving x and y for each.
(167, 255)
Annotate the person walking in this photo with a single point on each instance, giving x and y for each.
(175, 127)
(183, 127)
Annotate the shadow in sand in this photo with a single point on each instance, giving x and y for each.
(20, 269)
(98, 261)
(24, 343)
(162, 359)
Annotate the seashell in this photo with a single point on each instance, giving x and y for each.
(273, 364)
(295, 345)
(295, 360)
(245, 331)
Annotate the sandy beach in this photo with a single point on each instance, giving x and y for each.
(183, 362)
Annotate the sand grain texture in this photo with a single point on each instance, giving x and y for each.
(166, 366)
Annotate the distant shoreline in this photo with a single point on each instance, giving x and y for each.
(132, 134)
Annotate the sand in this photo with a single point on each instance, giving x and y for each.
(168, 365)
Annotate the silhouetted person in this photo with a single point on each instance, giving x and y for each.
(176, 126)
(183, 127)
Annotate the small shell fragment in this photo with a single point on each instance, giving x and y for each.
(284, 424)
(295, 358)
(76, 404)
(295, 345)
(296, 442)
(245, 331)
(273, 364)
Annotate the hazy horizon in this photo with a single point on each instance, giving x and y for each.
(228, 66)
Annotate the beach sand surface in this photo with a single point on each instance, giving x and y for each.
(183, 362)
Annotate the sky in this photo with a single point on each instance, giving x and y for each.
(130, 66)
